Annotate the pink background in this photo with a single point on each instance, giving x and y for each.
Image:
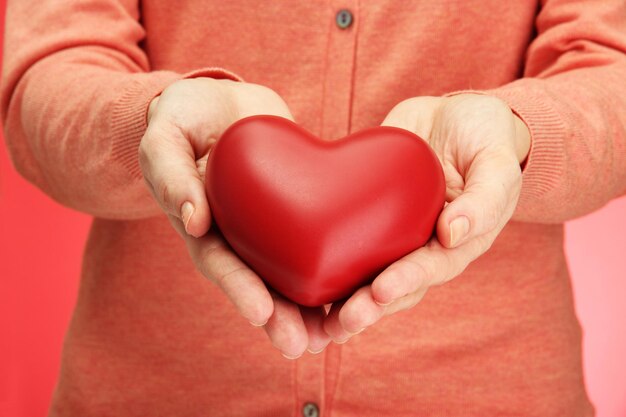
(41, 245)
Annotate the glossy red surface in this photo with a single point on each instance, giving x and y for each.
(317, 219)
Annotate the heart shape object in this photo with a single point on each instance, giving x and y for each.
(318, 219)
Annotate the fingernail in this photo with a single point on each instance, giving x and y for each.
(342, 341)
(380, 303)
(315, 352)
(186, 212)
(458, 229)
(258, 324)
(290, 357)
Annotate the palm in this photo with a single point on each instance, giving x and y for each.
(184, 123)
(474, 138)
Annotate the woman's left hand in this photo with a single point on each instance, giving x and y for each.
(480, 144)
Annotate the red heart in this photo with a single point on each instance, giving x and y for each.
(317, 219)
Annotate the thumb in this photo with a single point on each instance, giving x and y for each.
(492, 186)
(169, 167)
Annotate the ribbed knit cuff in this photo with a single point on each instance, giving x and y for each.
(128, 119)
(544, 167)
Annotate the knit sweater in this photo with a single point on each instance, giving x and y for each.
(150, 336)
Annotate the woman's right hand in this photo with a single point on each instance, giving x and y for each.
(183, 124)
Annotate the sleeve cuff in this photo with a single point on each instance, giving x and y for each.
(129, 115)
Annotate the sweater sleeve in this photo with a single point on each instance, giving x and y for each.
(573, 99)
(75, 91)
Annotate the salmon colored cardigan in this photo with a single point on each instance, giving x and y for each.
(151, 337)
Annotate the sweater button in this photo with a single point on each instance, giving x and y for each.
(344, 19)
(310, 410)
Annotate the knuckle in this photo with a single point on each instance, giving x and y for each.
(262, 90)
(184, 86)
(490, 104)
(494, 102)
(493, 204)
(252, 98)
(490, 217)
(207, 254)
(270, 96)
(479, 106)
(405, 105)
(210, 261)
(451, 267)
(164, 195)
(209, 251)
(221, 278)
(411, 271)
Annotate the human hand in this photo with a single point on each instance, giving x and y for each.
(480, 144)
(183, 124)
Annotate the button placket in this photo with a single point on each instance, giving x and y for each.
(311, 370)
(310, 384)
(339, 72)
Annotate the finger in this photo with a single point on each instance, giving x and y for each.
(217, 262)
(430, 265)
(360, 311)
(169, 167)
(314, 321)
(286, 328)
(415, 114)
(492, 185)
(406, 302)
(333, 327)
